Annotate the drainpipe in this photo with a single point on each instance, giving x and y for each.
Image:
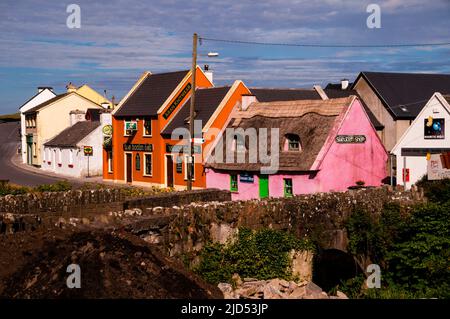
(390, 170)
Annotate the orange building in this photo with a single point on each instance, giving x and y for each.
(139, 151)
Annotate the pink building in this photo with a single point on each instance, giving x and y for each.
(323, 146)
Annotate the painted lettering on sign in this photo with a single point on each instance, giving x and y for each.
(182, 149)
(350, 139)
(138, 147)
(177, 101)
(246, 178)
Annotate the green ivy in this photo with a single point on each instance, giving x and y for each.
(261, 254)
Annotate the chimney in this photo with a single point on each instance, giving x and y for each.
(247, 99)
(344, 84)
(208, 73)
(105, 105)
(42, 88)
(105, 118)
(71, 88)
(77, 116)
(321, 92)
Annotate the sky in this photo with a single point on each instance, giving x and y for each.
(118, 40)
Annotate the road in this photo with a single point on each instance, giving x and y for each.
(9, 142)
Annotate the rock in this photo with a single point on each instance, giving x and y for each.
(312, 288)
(298, 293)
(341, 295)
(237, 279)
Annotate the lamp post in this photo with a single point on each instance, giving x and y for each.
(190, 163)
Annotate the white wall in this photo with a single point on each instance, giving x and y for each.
(42, 97)
(414, 138)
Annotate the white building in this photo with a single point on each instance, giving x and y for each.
(428, 134)
(65, 153)
(43, 95)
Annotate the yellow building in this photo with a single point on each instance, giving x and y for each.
(89, 93)
(48, 119)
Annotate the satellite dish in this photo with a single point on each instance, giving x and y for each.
(213, 54)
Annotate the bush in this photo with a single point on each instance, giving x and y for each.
(60, 186)
(436, 191)
(261, 254)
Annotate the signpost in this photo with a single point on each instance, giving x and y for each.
(88, 151)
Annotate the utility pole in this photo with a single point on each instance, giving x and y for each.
(190, 163)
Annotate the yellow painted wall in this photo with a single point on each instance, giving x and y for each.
(54, 118)
(89, 93)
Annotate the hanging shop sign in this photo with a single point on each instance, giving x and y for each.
(138, 147)
(439, 166)
(182, 149)
(88, 150)
(107, 130)
(246, 178)
(177, 101)
(350, 139)
(434, 128)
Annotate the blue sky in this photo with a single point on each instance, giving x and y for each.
(119, 39)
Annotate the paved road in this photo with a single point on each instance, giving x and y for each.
(9, 142)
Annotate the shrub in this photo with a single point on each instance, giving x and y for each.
(60, 186)
(261, 254)
(436, 191)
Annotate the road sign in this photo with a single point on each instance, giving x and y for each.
(88, 151)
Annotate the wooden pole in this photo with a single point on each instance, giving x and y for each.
(190, 165)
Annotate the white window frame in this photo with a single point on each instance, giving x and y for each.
(143, 128)
(71, 157)
(186, 157)
(59, 156)
(109, 155)
(145, 164)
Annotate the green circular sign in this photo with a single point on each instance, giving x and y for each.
(107, 130)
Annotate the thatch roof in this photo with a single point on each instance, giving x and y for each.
(311, 120)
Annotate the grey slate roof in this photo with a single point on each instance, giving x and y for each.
(405, 94)
(71, 136)
(151, 94)
(206, 102)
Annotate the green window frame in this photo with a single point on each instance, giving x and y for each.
(233, 182)
(138, 162)
(288, 187)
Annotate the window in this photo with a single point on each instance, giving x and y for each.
(239, 143)
(187, 159)
(110, 161)
(130, 128)
(148, 127)
(288, 187)
(293, 142)
(233, 183)
(138, 162)
(59, 157)
(148, 164)
(70, 158)
(34, 150)
(179, 165)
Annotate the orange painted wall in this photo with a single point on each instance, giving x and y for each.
(218, 123)
(158, 176)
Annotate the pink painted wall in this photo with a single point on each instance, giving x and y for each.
(341, 167)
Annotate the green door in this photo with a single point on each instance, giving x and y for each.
(29, 154)
(263, 186)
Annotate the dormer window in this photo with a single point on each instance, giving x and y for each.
(239, 143)
(292, 143)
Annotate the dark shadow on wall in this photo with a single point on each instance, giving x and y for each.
(331, 266)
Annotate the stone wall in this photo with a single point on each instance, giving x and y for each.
(320, 217)
(85, 202)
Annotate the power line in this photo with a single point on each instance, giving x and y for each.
(407, 45)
